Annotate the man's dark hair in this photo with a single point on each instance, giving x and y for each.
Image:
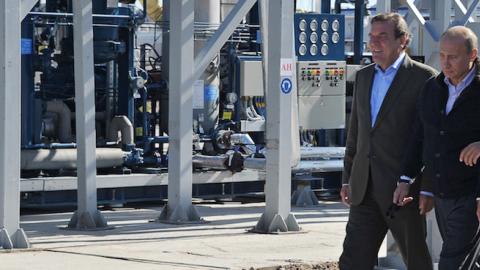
(400, 26)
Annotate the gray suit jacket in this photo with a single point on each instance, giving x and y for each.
(378, 151)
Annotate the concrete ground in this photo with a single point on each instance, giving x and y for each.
(221, 243)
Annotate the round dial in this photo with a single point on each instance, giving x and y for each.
(324, 49)
(302, 50)
(335, 25)
(324, 37)
(302, 37)
(314, 50)
(314, 37)
(324, 25)
(335, 37)
(302, 25)
(314, 25)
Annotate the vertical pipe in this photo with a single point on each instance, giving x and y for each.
(207, 15)
(360, 7)
(165, 66)
(325, 6)
(27, 83)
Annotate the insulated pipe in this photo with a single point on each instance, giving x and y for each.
(54, 159)
(121, 123)
(64, 119)
(212, 162)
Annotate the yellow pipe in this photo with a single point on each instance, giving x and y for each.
(154, 9)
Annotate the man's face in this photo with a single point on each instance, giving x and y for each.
(384, 46)
(455, 61)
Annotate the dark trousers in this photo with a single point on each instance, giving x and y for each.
(458, 223)
(367, 226)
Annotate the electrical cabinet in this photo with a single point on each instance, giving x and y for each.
(321, 94)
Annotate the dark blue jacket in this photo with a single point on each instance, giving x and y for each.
(437, 139)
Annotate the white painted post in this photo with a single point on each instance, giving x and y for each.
(87, 217)
(11, 235)
(280, 92)
(179, 208)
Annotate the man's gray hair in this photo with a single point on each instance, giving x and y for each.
(465, 33)
(400, 26)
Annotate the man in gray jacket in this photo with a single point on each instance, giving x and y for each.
(382, 114)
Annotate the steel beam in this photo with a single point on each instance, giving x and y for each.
(179, 208)
(26, 6)
(360, 7)
(466, 14)
(281, 66)
(11, 235)
(215, 43)
(87, 217)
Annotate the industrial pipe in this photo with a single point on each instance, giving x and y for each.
(64, 119)
(121, 123)
(55, 159)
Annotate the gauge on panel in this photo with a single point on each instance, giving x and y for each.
(302, 25)
(314, 25)
(324, 49)
(302, 50)
(302, 37)
(314, 37)
(335, 25)
(324, 25)
(324, 37)
(335, 37)
(314, 49)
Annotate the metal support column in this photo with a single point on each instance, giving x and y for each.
(179, 208)
(360, 7)
(11, 235)
(280, 65)
(87, 217)
(325, 6)
(384, 6)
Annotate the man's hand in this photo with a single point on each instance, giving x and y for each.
(425, 204)
(344, 193)
(470, 154)
(478, 210)
(401, 193)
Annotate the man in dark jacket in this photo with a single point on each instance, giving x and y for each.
(448, 121)
(382, 112)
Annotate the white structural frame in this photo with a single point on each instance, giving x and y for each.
(87, 217)
(11, 235)
(279, 65)
(182, 75)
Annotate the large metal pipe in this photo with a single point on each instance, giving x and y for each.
(55, 159)
(207, 12)
(121, 123)
(64, 119)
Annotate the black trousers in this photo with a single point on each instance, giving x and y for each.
(367, 226)
(458, 223)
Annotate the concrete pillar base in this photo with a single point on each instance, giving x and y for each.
(180, 215)
(304, 195)
(88, 221)
(17, 240)
(276, 225)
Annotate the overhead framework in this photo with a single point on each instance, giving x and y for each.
(440, 20)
